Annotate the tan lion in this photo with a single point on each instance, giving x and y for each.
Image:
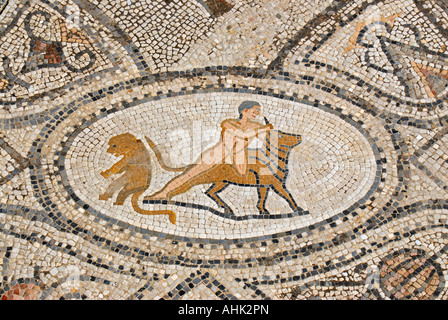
(135, 167)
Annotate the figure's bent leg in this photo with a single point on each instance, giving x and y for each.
(241, 168)
(240, 157)
(179, 184)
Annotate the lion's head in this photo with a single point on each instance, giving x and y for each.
(122, 144)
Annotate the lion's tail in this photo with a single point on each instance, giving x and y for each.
(136, 207)
(160, 159)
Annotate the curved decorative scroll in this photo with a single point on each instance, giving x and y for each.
(52, 51)
(403, 56)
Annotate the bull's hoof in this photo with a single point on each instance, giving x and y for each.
(264, 212)
(301, 212)
(229, 213)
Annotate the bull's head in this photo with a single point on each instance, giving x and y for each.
(287, 141)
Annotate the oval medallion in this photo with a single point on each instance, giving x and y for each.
(251, 165)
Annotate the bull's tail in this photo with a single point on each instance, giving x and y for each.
(136, 207)
(160, 159)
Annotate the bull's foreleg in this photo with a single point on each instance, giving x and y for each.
(280, 189)
(213, 191)
(262, 195)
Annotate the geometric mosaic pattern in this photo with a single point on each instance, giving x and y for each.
(222, 149)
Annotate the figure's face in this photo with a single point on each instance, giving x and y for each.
(252, 113)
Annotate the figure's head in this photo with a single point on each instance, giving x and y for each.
(122, 144)
(249, 110)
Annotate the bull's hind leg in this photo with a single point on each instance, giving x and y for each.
(213, 191)
(262, 195)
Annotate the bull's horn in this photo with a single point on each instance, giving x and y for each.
(266, 120)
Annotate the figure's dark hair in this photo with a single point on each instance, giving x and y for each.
(247, 105)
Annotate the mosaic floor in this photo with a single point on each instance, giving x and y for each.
(223, 149)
